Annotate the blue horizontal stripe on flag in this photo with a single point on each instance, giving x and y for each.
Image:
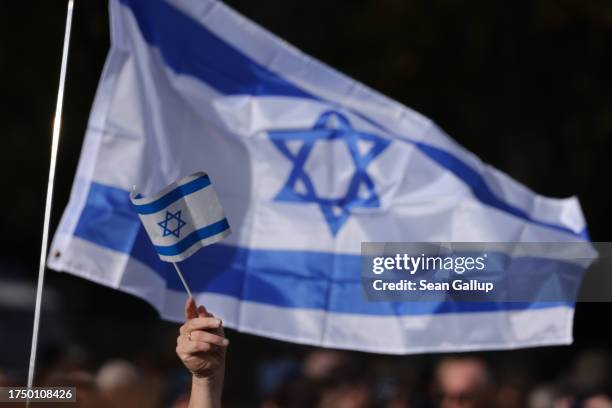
(189, 48)
(197, 235)
(174, 195)
(483, 193)
(292, 279)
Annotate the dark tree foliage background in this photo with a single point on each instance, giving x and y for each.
(525, 85)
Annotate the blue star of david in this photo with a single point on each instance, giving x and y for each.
(336, 211)
(176, 231)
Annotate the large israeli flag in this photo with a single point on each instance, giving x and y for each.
(308, 163)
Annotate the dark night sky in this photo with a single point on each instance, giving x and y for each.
(525, 85)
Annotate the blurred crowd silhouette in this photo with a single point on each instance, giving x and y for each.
(327, 378)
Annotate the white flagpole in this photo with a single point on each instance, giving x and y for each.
(45, 236)
(182, 279)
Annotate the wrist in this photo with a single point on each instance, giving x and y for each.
(210, 386)
(206, 381)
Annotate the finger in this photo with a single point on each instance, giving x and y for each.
(202, 312)
(207, 337)
(202, 323)
(180, 344)
(181, 341)
(191, 310)
(195, 347)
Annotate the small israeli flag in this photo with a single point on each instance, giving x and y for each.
(183, 217)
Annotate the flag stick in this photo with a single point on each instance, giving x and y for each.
(45, 235)
(182, 279)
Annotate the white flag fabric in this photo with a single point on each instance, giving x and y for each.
(308, 164)
(183, 217)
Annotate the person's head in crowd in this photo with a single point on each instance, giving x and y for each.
(568, 397)
(121, 385)
(321, 363)
(347, 389)
(87, 395)
(331, 379)
(463, 382)
(345, 380)
(115, 375)
(590, 372)
(598, 401)
(541, 396)
(509, 391)
(587, 384)
(403, 386)
(595, 401)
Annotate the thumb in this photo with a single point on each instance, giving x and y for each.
(191, 310)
